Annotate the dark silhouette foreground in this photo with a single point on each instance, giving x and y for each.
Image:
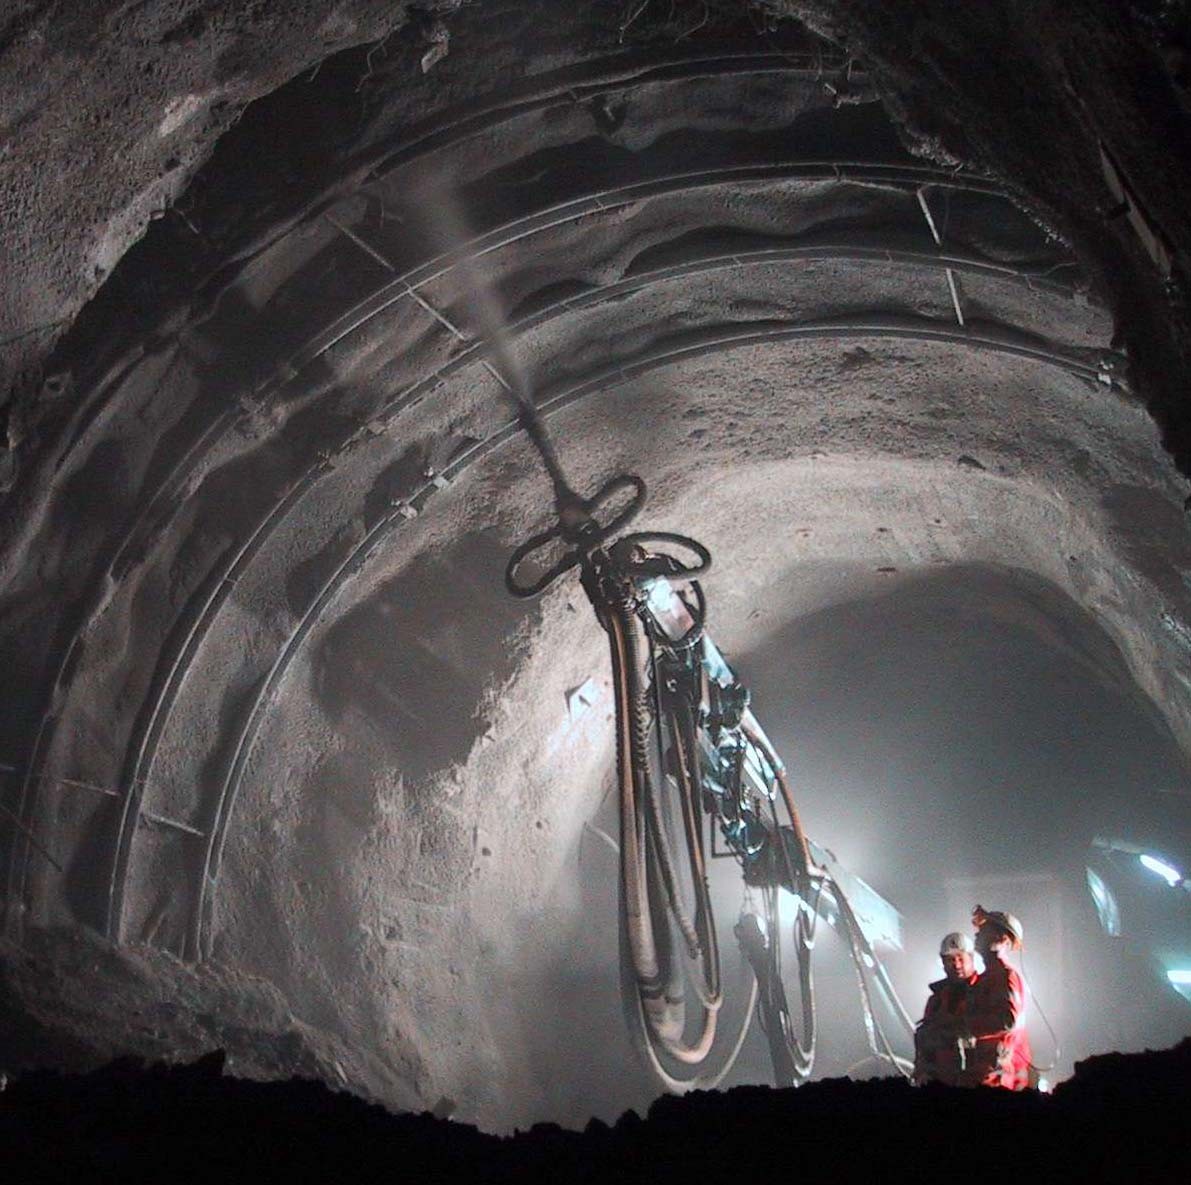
(1121, 1117)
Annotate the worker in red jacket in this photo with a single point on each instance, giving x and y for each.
(939, 1047)
(998, 1049)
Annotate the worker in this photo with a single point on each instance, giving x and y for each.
(939, 1045)
(993, 1022)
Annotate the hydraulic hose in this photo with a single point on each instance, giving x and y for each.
(857, 943)
(796, 1054)
(661, 840)
(800, 1050)
(638, 924)
(859, 946)
(710, 991)
(632, 726)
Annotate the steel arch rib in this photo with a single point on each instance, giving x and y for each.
(573, 85)
(201, 917)
(229, 419)
(146, 740)
(565, 86)
(603, 201)
(44, 737)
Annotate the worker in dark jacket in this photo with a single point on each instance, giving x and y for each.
(998, 1051)
(939, 1049)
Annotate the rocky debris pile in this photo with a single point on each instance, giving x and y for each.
(71, 1001)
(1121, 1117)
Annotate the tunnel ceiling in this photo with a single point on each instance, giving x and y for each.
(851, 301)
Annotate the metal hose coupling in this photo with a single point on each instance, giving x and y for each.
(578, 528)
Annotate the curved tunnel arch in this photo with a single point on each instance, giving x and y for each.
(371, 305)
(392, 363)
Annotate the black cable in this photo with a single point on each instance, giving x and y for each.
(662, 840)
(856, 939)
(1058, 1053)
(801, 1056)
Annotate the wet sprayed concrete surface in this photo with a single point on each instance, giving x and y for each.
(261, 495)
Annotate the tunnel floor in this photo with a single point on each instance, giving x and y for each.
(1118, 1117)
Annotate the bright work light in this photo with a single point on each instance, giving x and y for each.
(1172, 876)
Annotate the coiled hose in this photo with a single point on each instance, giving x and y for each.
(651, 978)
(643, 838)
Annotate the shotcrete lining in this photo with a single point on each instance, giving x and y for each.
(462, 807)
(919, 175)
(439, 270)
(1015, 549)
(1018, 548)
(297, 638)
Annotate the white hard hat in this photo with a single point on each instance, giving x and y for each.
(956, 943)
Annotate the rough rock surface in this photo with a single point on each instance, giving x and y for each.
(108, 117)
(1031, 94)
(70, 1001)
(109, 111)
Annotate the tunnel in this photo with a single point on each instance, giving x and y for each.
(886, 303)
